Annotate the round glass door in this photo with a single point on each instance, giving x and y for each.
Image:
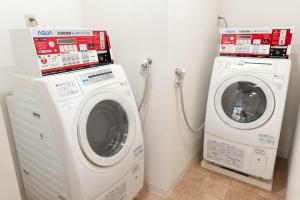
(106, 128)
(244, 102)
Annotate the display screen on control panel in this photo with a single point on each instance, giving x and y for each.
(66, 41)
(244, 36)
(96, 76)
(59, 50)
(256, 42)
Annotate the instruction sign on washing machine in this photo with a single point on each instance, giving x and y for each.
(225, 153)
(256, 42)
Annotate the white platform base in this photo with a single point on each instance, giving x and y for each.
(264, 184)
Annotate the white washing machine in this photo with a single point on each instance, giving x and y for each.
(78, 135)
(244, 113)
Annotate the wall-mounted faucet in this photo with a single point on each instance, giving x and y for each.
(145, 67)
(145, 71)
(179, 73)
(179, 79)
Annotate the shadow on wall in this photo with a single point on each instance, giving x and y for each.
(292, 101)
(6, 85)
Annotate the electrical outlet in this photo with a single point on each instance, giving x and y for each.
(31, 21)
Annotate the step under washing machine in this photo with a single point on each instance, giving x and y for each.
(244, 114)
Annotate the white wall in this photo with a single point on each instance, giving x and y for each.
(192, 44)
(53, 13)
(174, 34)
(294, 165)
(269, 13)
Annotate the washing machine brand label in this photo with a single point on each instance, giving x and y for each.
(225, 153)
(66, 50)
(118, 193)
(58, 32)
(266, 139)
(45, 33)
(260, 42)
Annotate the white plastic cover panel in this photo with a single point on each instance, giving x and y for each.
(42, 169)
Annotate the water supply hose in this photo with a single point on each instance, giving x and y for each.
(180, 73)
(145, 93)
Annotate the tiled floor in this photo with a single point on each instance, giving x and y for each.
(201, 184)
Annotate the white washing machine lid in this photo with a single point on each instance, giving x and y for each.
(244, 102)
(106, 128)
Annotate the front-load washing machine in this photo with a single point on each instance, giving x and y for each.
(78, 135)
(244, 114)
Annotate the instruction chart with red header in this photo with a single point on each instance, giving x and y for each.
(256, 42)
(67, 50)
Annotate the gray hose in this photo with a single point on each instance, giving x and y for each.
(184, 114)
(145, 93)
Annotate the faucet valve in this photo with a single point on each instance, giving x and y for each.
(179, 73)
(145, 67)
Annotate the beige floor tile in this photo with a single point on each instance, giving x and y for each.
(185, 190)
(145, 195)
(154, 197)
(208, 196)
(181, 194)
(142, 195)
(201, 184)
(239, 194)
(215, 187)
(171, 197)
(243, 186)
(274, 194)
(269, 195)
(193, 180)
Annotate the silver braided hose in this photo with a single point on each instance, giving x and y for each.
(180, 73)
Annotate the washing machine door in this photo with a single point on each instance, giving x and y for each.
(244, 102)
(106, 128)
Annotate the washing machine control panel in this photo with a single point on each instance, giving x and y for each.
(257, 66)
(256, 42)
(62, 50)
(64, 86)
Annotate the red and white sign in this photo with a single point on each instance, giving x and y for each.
(256, 42)
(60, 50)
